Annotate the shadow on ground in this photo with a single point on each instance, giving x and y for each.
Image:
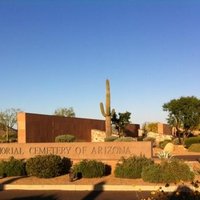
(10, 180)
(181, 193)
(38, 197)
(97, 190)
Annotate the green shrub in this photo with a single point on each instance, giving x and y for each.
(194, 148)
(149, 139)
(167, 172)
(175, 141)
(65, 138)
(2, 168)
(131, 167)
(152, 173)
(12, 137)
(90, 168)
(12, 167)
(164, 155)
(110, 138)
(47, 166)
(162, 144)
(125, 139)
(140, 138)
(192, 140)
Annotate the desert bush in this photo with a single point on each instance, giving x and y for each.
(175, 141)
(164, 155)
(2, 166)
(149, 139)
(167, 172)
(194, 148)
(140, 138)
(125, 139)
(65, 138)
(47, 166)
(12, 167)
(110, 138)
(162, 144)
(131, 167)
(12, 137)
(90, 168)
(192, 140)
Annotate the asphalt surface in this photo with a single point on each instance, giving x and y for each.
(96, 195)
(71, 195)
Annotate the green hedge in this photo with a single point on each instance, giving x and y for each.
(124, 139)
(47, 166)
(175, 141)
(192, 140)
(167, 172)
(12, 167)
(110, 138)
(131, 167)
(65, 138)
(194, 148)
(90, 168)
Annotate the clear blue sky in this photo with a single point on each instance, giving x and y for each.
(58, 53)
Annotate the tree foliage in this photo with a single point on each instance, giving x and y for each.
(120, 121)
(65, 112)
(184, 113)
(8, 119)
(150, 127)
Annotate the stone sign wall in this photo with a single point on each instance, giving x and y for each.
(78, 150)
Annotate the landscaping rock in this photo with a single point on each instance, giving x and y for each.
(169, 147)
(97, 135)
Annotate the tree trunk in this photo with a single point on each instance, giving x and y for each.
(7, 134)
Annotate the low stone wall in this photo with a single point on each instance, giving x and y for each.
(111, 151)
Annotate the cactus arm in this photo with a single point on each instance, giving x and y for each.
(102, 110)
(107, 97)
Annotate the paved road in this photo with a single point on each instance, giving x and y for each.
(71, 195)
(76, 195)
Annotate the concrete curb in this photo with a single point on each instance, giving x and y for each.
(94, 187)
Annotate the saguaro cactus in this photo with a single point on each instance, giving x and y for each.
(107, 111)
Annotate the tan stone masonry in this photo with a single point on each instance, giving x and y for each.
(112, 151)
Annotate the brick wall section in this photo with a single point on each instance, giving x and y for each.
(164, 129)
(132, 130)
(35, 128)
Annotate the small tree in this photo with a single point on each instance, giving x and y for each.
(8, 120)
(65, 112)
(184, 114)
(120, 121)
(151, 127)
